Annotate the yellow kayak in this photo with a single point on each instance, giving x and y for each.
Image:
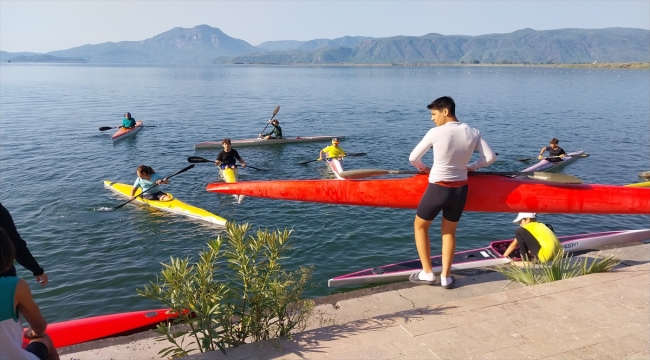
(231, 175)
(174, 205)
(640, 184)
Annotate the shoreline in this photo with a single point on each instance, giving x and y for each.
(624, 65)
(635, 65)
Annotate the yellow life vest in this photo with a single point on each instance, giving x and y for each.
(334, 151)
(548, 243)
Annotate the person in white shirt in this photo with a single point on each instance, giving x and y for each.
(453, 144)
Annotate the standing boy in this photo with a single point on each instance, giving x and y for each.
(453, 145)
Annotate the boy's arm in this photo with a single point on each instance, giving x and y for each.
(27, 306)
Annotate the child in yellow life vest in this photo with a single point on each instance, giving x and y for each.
(332, 151)
(534, 239)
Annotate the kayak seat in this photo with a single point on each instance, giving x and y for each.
(501, 246)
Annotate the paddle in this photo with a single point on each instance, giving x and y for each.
(197, 159)
(275, 112)
(583, 155)
(172, 175)
(543, 176)
(353, 154)
(104, 128)
(550, 177)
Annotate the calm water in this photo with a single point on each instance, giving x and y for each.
(53, 159)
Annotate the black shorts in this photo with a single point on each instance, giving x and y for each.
(153, 196)
(39, 349)
(451, 200)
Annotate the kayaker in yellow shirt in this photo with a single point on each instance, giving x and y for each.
(332, 151)
(535, 239)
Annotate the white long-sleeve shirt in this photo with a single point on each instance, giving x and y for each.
(453, 145)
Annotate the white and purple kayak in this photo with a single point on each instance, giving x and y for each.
(336, 166)
(483, 257)
(263, 142)
(550, 166)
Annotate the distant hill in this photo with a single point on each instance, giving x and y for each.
(525, 46)
(284, 45)
(204, 44)
(45, 58)
(200, 44)
(6, 56)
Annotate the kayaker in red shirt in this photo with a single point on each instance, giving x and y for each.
(554, 151)
(453, 145)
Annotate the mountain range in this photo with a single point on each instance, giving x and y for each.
(204, 44)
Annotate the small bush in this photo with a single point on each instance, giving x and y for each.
(251, 298)
(562, 267)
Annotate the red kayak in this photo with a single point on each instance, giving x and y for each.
(489, 193)
(123, 133)
(77, 331)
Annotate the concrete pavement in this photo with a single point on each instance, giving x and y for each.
(598, 316)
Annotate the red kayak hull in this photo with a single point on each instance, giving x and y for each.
(77, 331)
(488, 193)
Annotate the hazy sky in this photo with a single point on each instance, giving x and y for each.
(42, 26)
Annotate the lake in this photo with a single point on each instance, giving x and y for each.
(54, 159)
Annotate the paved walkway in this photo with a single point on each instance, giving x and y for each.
(599, 316)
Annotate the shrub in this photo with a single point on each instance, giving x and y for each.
(251, 298)
(562, 267)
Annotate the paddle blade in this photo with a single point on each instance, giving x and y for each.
(542, 176)
(364, 173)
(557, 178)
(275, 112)
(524, 159)
(197, 159)
(356, 154)
(104, 128)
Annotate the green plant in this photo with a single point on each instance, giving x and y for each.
(251, 298)
(561, 267)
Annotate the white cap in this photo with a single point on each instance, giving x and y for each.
(522, 216)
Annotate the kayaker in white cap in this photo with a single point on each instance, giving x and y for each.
(453, 145)
(535, 239)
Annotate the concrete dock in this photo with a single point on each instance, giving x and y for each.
(597, 316)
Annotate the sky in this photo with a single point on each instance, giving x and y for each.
(43, 26)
